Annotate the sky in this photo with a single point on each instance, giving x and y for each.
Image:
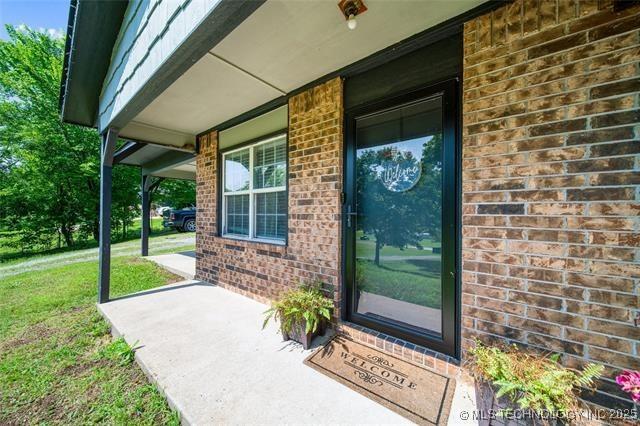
(45, 15)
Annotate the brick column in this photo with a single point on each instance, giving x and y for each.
(206, 204)
(315, 183)
(550, 181)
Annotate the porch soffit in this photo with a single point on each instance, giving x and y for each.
(158, 160)
(280, 47)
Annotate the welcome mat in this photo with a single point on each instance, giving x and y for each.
(421, 395)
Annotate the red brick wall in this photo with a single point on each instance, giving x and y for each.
(551, 199)
(313, 251)
(262, 271)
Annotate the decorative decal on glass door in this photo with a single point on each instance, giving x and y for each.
(399, 169)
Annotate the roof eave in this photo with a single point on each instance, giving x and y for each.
(92, 32)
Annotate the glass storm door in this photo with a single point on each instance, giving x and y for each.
(400, 218)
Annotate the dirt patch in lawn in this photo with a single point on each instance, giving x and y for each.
(47, 407)
(28, 336)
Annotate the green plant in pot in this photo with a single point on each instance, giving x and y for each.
(303, 313)
(532, 389)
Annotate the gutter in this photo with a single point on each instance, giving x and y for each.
(66, 65)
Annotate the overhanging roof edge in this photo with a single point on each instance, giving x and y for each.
(94, 24)
(67, 53)
(219, 23)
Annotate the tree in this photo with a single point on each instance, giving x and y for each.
(400, 218)
(176, 193)
(125, 204)
(49, 169)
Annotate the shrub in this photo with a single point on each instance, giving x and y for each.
(535, 383)
(305, 304)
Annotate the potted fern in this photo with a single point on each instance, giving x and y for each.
(526, 389)
(303, 313)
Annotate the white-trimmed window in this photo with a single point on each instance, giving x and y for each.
(254, 191)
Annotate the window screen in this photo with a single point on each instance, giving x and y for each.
(255, 193)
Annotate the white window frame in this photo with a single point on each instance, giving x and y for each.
(252, 193)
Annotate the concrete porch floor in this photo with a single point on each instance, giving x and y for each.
(182, 264)
(205, 349)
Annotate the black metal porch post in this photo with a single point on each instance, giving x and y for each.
(104, 252)
(146, 211)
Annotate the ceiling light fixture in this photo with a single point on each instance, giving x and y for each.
(350, 9)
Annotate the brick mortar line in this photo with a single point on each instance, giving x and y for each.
(564, 108)
(557, 64)
(636, 130)
(525, 314)
(548, 335)
(562, 326)
(552, 162)
(587, 129)
(535, 85)
(576, 315)
(586, 71)
(295, 152)
(564, 80)
(538, 228)
(555, 189)
(545, 123)
(544, 269)
(555, 95)
(543, 256)
(557, 337)
(548, 241)
(519, 228)
(587, 156)
(305, 125)
(528, 87)
(294, 144)
(587, 186)
(527, 178)
(562, 147)
(571, 104)
(547, 295)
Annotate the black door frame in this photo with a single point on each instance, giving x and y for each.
(448, 342)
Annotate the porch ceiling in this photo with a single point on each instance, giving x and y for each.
(283, 45)
(159, 161)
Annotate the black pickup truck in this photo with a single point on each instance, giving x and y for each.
(183, 220)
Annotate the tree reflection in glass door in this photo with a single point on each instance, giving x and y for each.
(398, 227)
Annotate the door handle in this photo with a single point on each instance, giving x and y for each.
(350, 214)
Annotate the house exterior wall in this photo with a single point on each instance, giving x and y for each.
(551, 168)
(313, 249)
(151, 30)
(550, 191)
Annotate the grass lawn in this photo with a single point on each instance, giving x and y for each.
(58, 362)
(411, 280)
(8, 252)
(367, 248)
